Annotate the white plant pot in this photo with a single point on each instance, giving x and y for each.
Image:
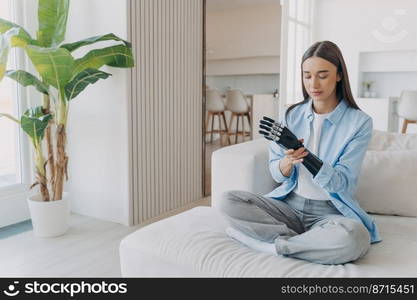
(49, 218)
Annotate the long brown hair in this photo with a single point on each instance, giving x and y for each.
(330, 52)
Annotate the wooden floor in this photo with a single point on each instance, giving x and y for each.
(90, 248)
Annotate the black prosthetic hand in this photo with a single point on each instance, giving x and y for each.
(277, 132)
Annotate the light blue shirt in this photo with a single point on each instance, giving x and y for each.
(345, 137)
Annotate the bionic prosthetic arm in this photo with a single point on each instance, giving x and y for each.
(277, 132)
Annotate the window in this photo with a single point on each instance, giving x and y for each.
(15, 162)
(9, 131)
(296, 38)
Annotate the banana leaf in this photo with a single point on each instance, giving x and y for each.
(27, 79)
(107, 37)
(23, 35)
(52, 18)
(55, 65)
(4, 54)
(34, 123)
(118, 56)
(5, 45)
(82, 80)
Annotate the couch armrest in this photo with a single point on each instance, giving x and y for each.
(241, 167)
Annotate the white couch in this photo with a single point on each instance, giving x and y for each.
(193, 243)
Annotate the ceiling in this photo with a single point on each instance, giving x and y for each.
(218, 5)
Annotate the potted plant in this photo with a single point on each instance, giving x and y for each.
(61, 78)
(367, 84)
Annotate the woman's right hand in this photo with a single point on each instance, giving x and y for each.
(291, 158)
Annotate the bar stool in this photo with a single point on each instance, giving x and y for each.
(216, 107)
(238, 105)
(407, 108)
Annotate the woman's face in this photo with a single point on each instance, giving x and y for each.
(320, 78)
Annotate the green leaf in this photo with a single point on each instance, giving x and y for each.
(23, 35)
(34, 123)
(5, 45)
(27, 79)
(74, 46)
(4, 54)
(52, 16)
(82, 80)
(118, 56)
(17, 38)
(55, 65)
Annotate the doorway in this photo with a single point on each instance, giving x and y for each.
(241, 61)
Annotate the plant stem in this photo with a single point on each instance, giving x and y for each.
(61, 140)
(61, 162)
(51, 158)
(63, 108)
(41, 171)
(10, 117)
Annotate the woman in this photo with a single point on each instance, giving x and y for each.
(312, 218)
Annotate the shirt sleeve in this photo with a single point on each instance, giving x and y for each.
(276, 154)
(344, 175)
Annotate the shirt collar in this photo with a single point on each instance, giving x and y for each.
(333, 117)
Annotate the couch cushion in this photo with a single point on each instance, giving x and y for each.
(382, 140)
(388, 183)
(193, 243)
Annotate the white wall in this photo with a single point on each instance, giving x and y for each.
(364, 26)
(236, 36)
(372, 26)
(97, 130)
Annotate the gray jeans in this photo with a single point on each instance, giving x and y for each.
(312, 230)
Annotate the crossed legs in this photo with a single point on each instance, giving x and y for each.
(272, 226)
